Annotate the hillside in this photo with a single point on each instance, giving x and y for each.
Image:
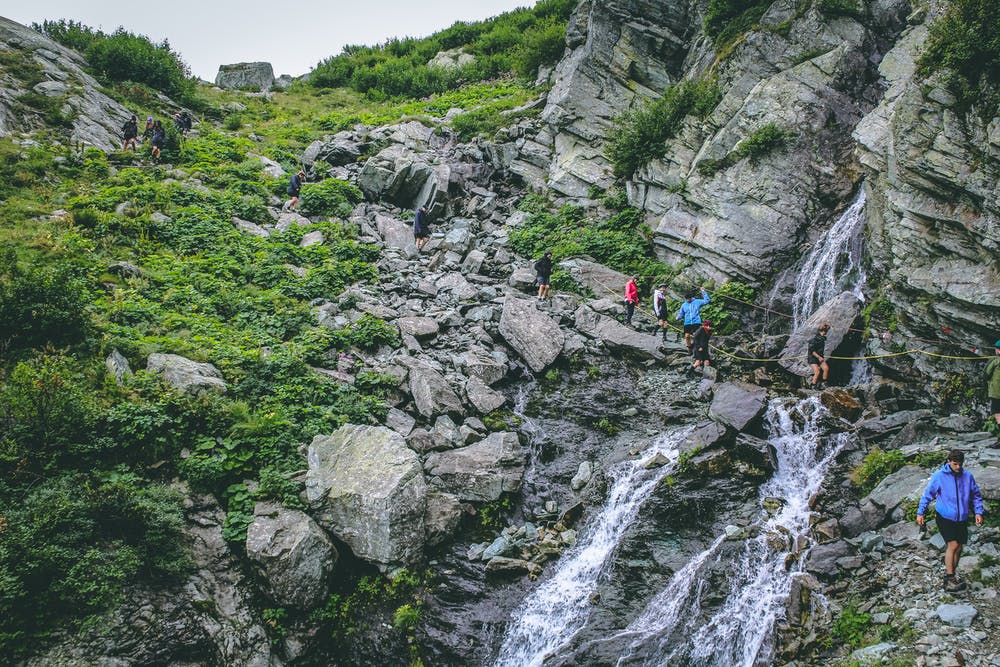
(234, 433)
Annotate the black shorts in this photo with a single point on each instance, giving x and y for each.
(691, 328)
(953, 531)
(661, 314)
(700, 355)
(995, 406)
(543, 281)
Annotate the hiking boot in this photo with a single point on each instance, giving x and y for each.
(952, 584)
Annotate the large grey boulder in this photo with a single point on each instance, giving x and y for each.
(957, 615)
(533, 334)
(395, 233)
(292, 554)
(738, 404)
(432, 395)
(451, 59)
(185, 375)
(418, 327)
(404, 177)
(841, 312)
(616, 335)
(480, 472)
(479, 363)
(341, 149)
(907, 483)
(245, 76)
(94, 118)
(484, 399)
(599, 279)
(366, 487)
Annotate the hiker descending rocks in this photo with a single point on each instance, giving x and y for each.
(130, 130)
(631, 299)
(700, 346)
(157, 140)
(294, 188)
(147, 132)
(993, 383)
(690, 313)
(543, 269)
(660, 308)
(952, 488)
(182, 121)
(421, 228)
(817, 358)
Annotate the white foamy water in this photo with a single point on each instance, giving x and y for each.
(833, 265)
(558, 608)
(672, 629)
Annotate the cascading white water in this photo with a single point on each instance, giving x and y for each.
(833, 265)
(560, 606)
(672, 630)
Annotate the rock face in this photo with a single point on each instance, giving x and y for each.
(293, 555)
(245, 76)
(533, 334)
(366, 487)
(186, 375)
(840, 313)
(95, 119)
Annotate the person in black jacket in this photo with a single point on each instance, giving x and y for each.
(294, 188)
(700, 346)
(130, 130)
(421, 228)
(543, 267)
(157, 141)
(817, 358)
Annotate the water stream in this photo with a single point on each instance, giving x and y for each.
(672, 629)
(559, 608)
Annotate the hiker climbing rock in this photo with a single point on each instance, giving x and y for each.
(817, 358)
(294, 188)
(993, 383)
(421, 228)
(690, 313)
(130, 130)
(157, 140)
(543, 269)
(182, 121)
(660, 309)
(631, 299)
(700, 346)
(952, 488)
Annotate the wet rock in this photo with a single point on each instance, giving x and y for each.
(442, 517)
(823, 558)
(583, 475)
(185, 375)
(500, 565)
(293, 555)
(501, 546)
(840, 313)
(480, 472)
(737, 404)
(367, 488)
(535, 336)
(841, 404)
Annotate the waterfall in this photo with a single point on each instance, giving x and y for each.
(672, 629)
(559, 607)
(833, 265)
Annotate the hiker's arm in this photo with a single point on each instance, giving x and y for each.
(977, 501)
(929, 494)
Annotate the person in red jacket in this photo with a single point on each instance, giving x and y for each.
(631, 299)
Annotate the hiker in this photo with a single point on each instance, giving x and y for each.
(817, 360)
(952, 487)
(631, 299)
(130, 130)
(147, 133)
(700, 347)
(294, 188)
(159, 137)
(421, 228)
(660, 309)
(690, 312)
(543, 267)
(185, 122)
(993, 383)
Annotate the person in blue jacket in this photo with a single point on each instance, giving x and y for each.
(953, 488)
(690, 312)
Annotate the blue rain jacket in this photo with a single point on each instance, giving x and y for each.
(952, 491)
(690, 311)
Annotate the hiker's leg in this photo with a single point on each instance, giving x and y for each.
(826, 370)
(951, 555)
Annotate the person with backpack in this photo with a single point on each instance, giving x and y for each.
(690, 313)
(130, 130)
(158, 139)
(543, 271)
(421, 228)
(660, 309)
(631, 298)
(952, 489)
(817, 360)
(700, 346)
(294, 188)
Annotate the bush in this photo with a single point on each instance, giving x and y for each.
(851, 626)
(726, 20)
(764, 140)
(330, 197)
(876, 466)
(965, 42)
(639, 136)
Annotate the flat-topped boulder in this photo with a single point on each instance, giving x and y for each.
(533, 334)
(246, 76)
(738, 404)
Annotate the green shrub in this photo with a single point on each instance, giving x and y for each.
(965, 41)
(727, 300)
(639, 136)
(330, 197)
(726, 20)
(840, 8)
(876, 466)
(851, 626)
(763, 141)
(406, 617)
